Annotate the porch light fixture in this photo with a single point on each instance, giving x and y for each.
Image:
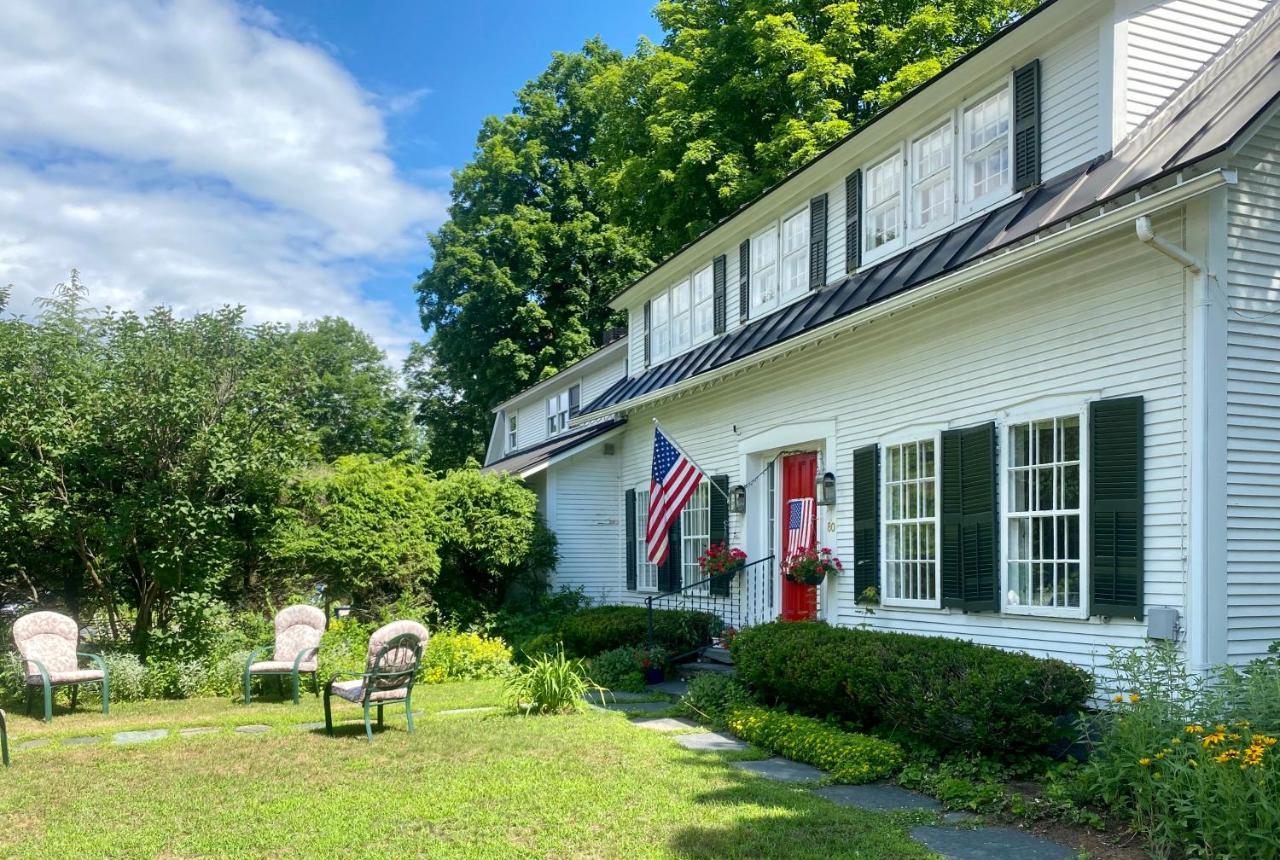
(826, 490)
(737, 499)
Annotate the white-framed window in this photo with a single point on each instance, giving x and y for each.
(558, 413)
(1044, 491)
(704, 321)
(511, 432)
(764, 271)
(795, 254)
(681, 315)
(910, 495)
(882, 219)
(646, 571)
(659, 328)
(932, 191)
(986, 142)
(695, 535)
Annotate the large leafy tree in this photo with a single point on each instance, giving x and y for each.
(609, 161)
(524, 267)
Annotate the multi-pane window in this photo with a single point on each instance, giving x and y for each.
(883, 203)
(703, 305)
(931, 189)
(558, 413)
(911, 522)
(695, 535)
(646, 571)
(1043, 514)
(681, 312)
(986, 148)
(795, 254)
(764, 271)
(660, 327)
(511, 432)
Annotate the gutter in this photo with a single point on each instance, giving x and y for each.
(990, 266)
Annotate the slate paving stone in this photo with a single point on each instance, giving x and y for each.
(139, 737)
(671, 688)
(638, 707)
(254, 729)
(665, 724)
(309, 727)
(82, 742)
(595, 697)
(879, 797)
(197, 730)
(33, 745)
(710, 742)
(990, 843)
(959, 817)
(781, 769)
(459, 711)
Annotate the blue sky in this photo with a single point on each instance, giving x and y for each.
(287, 155)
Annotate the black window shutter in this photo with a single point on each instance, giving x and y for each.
(669, 570)
(744, 280)
(632, 557)
(970, 575)
(853, 221)
(719, 290)
(818, 242)
(575, 400)
(647, 354)
(719, 510)
(1115, 506)
(866, 519)
(1026, 126)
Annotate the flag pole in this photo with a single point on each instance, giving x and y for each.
(704, 472)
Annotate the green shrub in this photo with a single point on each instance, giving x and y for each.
(618, 669)
(540, 645)
(128, 677)
(711, 696)
(454, 656)
(550, 684)
(603, 628)
(531, 622)
(949, 693)
(848, 756)
(344, 647)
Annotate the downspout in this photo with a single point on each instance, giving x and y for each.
(1197, 621)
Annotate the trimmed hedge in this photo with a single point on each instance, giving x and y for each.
(949, 693)
(603, 628)
(850, 757)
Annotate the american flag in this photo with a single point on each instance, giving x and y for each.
(800, 528)
(673, 482)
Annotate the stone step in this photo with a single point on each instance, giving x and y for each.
(716, 654)
(688, 670)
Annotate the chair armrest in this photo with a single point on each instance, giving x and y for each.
(254, 655)
(304, 656)
(44, 673)
(96, 658)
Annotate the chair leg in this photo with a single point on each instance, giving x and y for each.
(106, 694)
(295, 686)
(379, 716)
(48, 703)
(368, 729)
(4, 740)
(248, 685)
(408, 711)
(328, 709)
(31, 691)
(315, 683)
(75, 694)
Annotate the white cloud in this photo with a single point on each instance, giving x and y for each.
(189, 153)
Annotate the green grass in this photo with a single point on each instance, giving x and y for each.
(464, 785)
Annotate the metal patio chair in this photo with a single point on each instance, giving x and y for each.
(297, 648)
(49, 646)
(391, 666)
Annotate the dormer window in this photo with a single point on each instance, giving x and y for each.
(560, 409)
(884, 204)
(681, 313)
(795, 254)
(764, 271)
(986, 149)
(511, 433)
(703, 305)
(660, 327)
(931, 188)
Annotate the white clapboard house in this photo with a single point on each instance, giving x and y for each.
(1017, 338)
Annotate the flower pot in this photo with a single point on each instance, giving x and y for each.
(815, 578)
(654, 675)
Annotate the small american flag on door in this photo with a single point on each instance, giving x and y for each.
(800, 527)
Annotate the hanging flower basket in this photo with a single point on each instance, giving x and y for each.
(722, 561)
(811, 567)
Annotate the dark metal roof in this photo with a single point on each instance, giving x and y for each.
(524, 462)
(1200, 121)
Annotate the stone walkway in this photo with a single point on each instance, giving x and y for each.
(942, 837)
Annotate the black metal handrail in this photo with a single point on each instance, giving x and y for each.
(732, 608)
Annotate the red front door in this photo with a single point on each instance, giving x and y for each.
(799, 472)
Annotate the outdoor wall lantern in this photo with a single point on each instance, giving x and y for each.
(737, 499)
(826, 490)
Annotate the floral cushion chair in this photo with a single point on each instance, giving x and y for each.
(298, 632)
(48, 644)
(391, 665)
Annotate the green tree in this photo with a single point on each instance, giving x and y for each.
(523, 269)
(364, 528)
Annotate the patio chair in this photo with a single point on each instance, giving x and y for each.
(4, 738)
(48, 644)
(391, 665)
(297, 647)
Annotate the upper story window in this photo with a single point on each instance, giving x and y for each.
(681, 315)
(511, 432)
(986, 143)
(703, 305)
(560, 410)
(660, 327)
(884, 204)
(795, 254)
(764, 271)
(932, 192)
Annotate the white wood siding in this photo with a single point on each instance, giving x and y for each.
(1107, 321)
(1167, 42)
(1253, 399)
(1070, 100)
(584, 509)
(598, 381)
(531, 424)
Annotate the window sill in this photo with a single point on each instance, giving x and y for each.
(1046, 612)
(927, 606)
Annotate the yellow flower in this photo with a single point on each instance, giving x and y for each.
(1226, 756)
(1194, 730)
(1193, 762)
(1176, 742)
(1159, 756)
(1133, 698)
(1220, 729)
(1233, 737)
(1268, 740)
(1118, 698)
(1213, 739)
(1145, 762)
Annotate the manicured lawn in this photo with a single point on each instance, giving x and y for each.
(465, 785)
